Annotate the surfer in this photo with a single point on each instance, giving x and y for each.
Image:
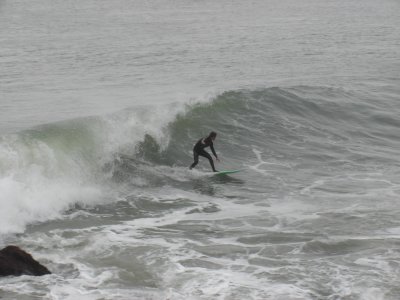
(198, 149)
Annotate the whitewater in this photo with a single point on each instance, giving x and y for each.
(100, 106)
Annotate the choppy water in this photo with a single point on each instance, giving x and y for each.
(101, 103)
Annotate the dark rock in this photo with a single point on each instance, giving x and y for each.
(15, 261)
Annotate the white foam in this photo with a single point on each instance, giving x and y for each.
(36, 184)
(259, 166)
(39, 200)
(123, 130)
(42, 177)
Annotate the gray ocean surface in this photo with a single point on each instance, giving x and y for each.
(102, 101)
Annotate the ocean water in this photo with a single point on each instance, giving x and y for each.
(102, 101)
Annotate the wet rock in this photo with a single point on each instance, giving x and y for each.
(15, 262)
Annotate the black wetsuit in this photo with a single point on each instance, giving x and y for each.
(198, 149)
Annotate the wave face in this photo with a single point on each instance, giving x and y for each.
(300, 126)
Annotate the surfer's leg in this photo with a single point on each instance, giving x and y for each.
(208, 156)
(196, 160)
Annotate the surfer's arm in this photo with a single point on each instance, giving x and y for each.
(213, 151)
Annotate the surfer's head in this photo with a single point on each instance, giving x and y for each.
(213, 135)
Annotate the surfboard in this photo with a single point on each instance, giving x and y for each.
(226, 172)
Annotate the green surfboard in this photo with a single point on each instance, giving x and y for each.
(226, 172)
